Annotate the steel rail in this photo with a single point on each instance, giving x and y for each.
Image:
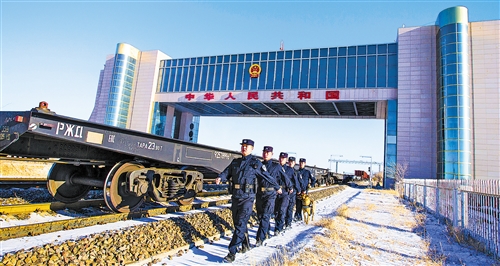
(56, 206)
(49, 206)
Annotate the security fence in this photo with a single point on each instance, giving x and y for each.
(472, 206)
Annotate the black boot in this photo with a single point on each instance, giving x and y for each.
(230, 257)
(244, 248)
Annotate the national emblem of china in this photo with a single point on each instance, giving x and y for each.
(254, 70)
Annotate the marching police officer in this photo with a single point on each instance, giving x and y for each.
(242, 175)
(282, 199)
(306, 180)
(292, 196)
(266, 196)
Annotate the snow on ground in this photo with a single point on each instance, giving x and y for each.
(12, 245)
(33, 219)
(383, 235)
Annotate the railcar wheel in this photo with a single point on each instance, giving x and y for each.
(116, 195)
(188, 197)
(61, 188)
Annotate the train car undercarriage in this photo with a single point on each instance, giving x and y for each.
(126, 185)
(129, 166)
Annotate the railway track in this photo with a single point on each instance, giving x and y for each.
(49, 206)
(36, 184)
(21, 182)
(74, 223)
(56, 206)
(135, 242)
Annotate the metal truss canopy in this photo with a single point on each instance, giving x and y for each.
(334, 109)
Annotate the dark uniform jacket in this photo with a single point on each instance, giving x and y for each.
(242, 175)
(284, 179)
(279, 173)
(294, 178)
(273, 169)
(306, 177)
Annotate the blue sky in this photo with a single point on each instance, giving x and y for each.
(53, 51)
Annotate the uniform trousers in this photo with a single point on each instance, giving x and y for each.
(266, 201)
(298, 208)
(281, 206)
(241, 208)
(289, 210)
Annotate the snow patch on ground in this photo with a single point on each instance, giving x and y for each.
(384, 236)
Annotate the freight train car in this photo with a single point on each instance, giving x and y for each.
(321, 175)
(128, 165)
(361, 174)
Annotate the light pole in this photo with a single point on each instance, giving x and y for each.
(336, 163)
(371, 160)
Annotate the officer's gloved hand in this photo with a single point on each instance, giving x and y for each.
(217, 180)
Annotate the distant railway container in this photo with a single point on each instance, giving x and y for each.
(361, 174)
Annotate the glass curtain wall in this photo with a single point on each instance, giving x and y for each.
(391, 126)
(454, 123)
(121, 89)
(159, 119)
(364, 66)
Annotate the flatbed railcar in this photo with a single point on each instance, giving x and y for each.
(129, 165)
(319, 173)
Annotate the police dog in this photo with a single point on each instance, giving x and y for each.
(308, 208)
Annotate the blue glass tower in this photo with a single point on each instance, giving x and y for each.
(121, 86)
(454, 121)
(391, 128)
